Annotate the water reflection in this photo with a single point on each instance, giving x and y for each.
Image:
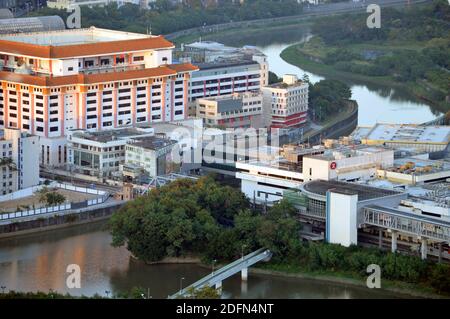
(39, 262)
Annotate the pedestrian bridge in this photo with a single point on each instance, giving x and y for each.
(216, 277)
(404, 222)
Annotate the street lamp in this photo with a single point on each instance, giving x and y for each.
(181, 283)
(213, 263)
(107, 293)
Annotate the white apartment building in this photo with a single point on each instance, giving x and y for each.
(19, 160)
(100, 153)
(238, 110)
(287, 102)
(90, 79)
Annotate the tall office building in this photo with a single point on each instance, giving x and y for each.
(93, 79)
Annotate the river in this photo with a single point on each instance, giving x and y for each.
(377, 103)
(39, 262)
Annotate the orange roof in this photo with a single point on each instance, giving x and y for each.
(88, 49)
(184, 67)
(46, 81)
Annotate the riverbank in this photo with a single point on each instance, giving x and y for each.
(341, 278)
(348, 279)
(311, 61)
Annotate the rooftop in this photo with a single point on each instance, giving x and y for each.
(151, 142)
(417, 166)
(110, 135)
(79, 42)
(408, 133)
(348, 152)
(320, 187)
(225, 64)
(73, 36)
(210, 46)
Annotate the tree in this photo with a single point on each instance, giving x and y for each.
(50, 197)
(205, 292)
(440, 278)
(447, 118)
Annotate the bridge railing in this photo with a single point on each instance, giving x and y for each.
(226, 271)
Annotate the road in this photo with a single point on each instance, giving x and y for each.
(311, 11)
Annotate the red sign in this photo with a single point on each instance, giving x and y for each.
(333, 165)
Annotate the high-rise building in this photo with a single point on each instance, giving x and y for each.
(19, 160)
(93, 79)
(287, 102)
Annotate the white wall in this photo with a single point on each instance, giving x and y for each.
(342, 225)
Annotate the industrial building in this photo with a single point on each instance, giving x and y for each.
(92, 79)
(19, 160)
(405, 136)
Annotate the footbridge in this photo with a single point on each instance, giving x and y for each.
(397, 221)
(216, 277)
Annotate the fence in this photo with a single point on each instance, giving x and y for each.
(58, 208)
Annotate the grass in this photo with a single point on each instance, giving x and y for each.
(308, 56)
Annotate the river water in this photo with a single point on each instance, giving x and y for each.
(377, 104)
(39, 262)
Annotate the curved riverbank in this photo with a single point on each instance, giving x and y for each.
(294, 56)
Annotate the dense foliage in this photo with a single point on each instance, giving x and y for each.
(203, 218)
(327, 98)
(410, 269)
(167, 16)
(413, 46)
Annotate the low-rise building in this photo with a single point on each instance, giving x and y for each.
(413, 171)
(238, 110)
(347, 163)
(19, 160)
(406, 136)
(149, 156)
(287, 102)
(100, 153)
